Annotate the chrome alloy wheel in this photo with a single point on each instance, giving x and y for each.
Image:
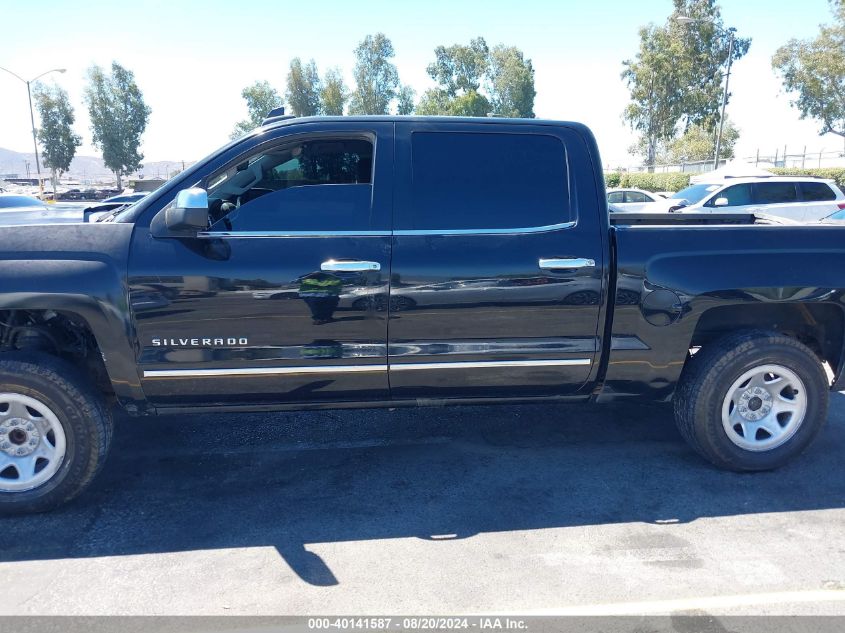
(32, 443)
(764, 407)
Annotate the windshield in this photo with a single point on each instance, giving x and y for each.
(132, 197)
(695, 193)
(111, 215)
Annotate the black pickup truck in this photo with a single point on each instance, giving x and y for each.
(390, 261)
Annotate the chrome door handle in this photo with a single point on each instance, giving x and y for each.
(557, 263)
(348, 266)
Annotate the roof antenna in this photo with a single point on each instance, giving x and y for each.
(276, 114)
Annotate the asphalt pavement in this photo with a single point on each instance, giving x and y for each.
(513, 509)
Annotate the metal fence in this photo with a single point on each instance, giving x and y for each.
(780, 158)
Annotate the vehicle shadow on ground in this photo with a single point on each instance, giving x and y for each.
(289, 480)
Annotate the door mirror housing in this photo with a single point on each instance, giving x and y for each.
(720, 202)
(189, 211)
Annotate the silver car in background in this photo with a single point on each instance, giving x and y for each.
(22, 209)
(628, 199)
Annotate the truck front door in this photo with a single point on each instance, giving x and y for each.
(279, 300)
(496, 282)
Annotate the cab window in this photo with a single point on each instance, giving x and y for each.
(476, 181)
(319, 184)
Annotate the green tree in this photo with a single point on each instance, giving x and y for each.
(303, 88)
(58, 140)
(260, 98)
(473, 80)
(815, 71)
(656, 98)
(471, 103)
(675, 80)
(661, 151)
(511, 78)
(405, 99)
(376, 77)
(438, 102)
(696, 144)
(704, 57)
(460, 69)
(434, 101)
(334, 94)
(119, 117)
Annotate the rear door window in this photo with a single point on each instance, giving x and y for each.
(635, 196)
(816, 192)
(775, 193)
(476, 181)
(616, 197)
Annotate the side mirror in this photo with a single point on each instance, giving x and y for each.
(720, 202)
(189, 211)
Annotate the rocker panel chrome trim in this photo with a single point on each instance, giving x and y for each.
(329, 369)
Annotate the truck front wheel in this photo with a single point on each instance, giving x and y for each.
(55, 433)
(752, 400)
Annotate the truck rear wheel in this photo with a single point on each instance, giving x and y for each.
(55, 432)
(752, 400)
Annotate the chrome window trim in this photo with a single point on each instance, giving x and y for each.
(531, 229)
(327, 369)
(565, 362)
(400, 232)
(259, 234)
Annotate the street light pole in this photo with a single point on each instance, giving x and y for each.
(731, 32)
(35, 142)
(32, 119)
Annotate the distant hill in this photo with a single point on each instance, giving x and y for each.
(83, 168)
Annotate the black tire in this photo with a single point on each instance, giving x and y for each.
(85, 420)
(710, 373)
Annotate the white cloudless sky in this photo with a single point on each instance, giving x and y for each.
(192, 58)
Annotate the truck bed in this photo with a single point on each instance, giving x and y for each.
(664, 218)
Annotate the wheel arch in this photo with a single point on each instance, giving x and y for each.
(820, 326)
(55, 317)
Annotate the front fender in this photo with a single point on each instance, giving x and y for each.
(85, 276)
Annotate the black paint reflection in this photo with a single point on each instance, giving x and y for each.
(321, 293)
(467, 294)
(272, 293)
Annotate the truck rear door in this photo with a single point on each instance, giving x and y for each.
(496, 275)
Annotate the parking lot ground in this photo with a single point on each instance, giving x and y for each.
(512, 509)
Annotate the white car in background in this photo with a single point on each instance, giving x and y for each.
(632, 199)
(797, 198)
